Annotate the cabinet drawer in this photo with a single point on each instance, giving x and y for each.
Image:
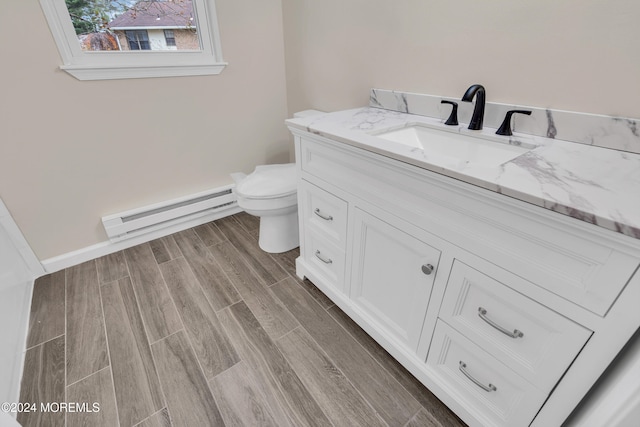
(324, 257)
(488, 389)
(531, 339)
(324, 211)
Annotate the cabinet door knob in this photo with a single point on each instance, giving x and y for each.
(427, 269)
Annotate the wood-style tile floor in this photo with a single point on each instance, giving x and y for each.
(202, 328)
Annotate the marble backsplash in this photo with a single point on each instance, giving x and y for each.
(616, 133)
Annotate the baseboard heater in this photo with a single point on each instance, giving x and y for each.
(195, 208)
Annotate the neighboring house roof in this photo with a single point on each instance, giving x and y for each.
(156, 14)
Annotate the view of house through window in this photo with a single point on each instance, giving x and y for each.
(119, 25)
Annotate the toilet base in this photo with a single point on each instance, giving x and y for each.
(279, 233)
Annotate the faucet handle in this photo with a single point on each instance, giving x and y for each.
(453, 117)
(505, 127)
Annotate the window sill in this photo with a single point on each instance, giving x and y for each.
(96, 72)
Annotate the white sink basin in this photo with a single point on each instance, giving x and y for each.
(468, 147)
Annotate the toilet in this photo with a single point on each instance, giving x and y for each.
(270, 192)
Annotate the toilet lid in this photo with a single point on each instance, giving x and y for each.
(269, 181)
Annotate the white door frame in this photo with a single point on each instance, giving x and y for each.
(20, 243)
(19, 267)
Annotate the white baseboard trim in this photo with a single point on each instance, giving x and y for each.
(98, 250)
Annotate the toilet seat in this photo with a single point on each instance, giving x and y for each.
(270, 204)
(269, 182)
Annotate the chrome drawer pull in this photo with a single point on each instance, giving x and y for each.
(323, 259)
(483, 315)
(325, 217)
(488, 388)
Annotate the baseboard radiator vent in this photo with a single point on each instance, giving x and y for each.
(193, 209)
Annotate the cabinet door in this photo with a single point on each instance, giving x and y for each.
(393, 275)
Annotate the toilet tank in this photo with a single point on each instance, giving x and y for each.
(300, 115)
(306, 113)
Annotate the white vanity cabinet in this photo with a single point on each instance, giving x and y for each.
(507, 312)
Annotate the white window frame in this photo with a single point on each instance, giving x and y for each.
(85, 65)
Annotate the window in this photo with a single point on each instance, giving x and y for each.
(169, 38)
(138, 39)
(135, 38)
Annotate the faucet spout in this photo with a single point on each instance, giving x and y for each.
(478, 110)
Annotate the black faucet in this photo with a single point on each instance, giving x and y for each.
(478, 110)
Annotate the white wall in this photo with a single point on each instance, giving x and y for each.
(578, 55)
(72, 151)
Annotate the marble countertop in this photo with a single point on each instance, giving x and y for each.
(596, 185)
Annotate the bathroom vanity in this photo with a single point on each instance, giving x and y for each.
(507, 289)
